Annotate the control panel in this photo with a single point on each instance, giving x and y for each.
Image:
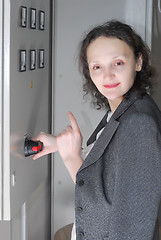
(26, 103)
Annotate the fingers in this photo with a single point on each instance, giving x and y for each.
(52, 143)
(73, 122)
(40, 154)
(35, 138)
(49, 142)
(68, 128)
(38, 138)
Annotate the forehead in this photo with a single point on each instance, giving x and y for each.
(107, 46)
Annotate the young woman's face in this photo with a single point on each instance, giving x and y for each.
(112, 67)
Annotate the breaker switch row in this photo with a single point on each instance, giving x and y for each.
(32, 59)
(32, 18)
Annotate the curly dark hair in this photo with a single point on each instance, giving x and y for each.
(122, 31)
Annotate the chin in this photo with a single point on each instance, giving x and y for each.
(112, 97)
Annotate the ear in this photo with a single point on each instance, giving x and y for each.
(139, 63)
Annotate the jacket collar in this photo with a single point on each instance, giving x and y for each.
(109, 130)
(124, 105)
(133, 95)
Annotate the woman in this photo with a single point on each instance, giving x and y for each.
(117, 186)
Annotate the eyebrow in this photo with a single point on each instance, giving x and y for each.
(97, 61)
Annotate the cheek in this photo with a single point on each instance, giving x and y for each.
(96, 82)
(93, 78)
(130, 75)
(91, 75)
(133, 75)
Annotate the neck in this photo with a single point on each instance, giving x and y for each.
(114, 103)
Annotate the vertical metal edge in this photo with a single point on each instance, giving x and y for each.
(24, 223)
(148, 22)
(50, 107)
(6, 113)
(1, 77)
(53, 3)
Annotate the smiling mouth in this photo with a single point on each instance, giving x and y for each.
(111, 85)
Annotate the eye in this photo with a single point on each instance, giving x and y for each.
(118, 63)
(96, 67)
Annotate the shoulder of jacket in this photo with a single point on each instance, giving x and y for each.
(139, 121)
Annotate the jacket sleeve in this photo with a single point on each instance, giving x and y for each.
(137, 190)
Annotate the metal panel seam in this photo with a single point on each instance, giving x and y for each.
(52, 115)
(6, 112)
(1, 86)
(148, 22)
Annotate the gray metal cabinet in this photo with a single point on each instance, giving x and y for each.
(25, 109)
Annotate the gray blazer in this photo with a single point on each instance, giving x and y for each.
(118, 187)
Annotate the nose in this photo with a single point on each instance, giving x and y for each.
(108, 74)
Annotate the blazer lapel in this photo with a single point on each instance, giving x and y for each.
(101, 125)
(101, 143)
(110, 129)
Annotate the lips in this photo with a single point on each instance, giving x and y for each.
(111, 85)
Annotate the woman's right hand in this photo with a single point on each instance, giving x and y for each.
(68, 143)
(49, 142)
